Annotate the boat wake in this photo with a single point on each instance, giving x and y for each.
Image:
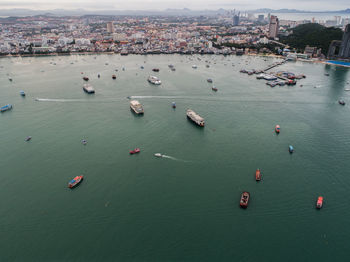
(169, 157)
(58, 100)
(165, 97)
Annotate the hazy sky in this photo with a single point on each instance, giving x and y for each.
(315, 5)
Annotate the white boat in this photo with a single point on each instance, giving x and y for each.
(194, 117)
(154, 80)
(136, 107)
(194, 66)
(158, 155)
(88, 89)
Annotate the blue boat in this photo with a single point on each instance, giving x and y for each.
(291, 149)
(22, 93)
(5, 108)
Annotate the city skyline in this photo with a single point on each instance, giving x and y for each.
(309, 5)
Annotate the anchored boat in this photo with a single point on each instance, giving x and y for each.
(154, 80)
(88, 89)
(22, 93)
(136, 107)
(85, 78)
(291, 149)
(195, 118)
(244, 199)
(277, 129)
(257, 175)
(136, 150)
(6, 108)
(319, 202)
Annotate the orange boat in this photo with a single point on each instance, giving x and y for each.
(75, 181)
(257, 175)
(277, 129)
(319, 202)
(244, 199)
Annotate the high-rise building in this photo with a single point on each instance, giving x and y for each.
(261, 18)
(110, 27)
(345, 43)
(236, 20)
(273, 26)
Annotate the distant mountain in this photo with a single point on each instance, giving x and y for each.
(267, 10)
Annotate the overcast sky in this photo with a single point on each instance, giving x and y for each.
(314, 5)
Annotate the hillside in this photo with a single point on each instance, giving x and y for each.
(312, 35)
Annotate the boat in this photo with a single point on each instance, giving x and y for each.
(142, 67)
(194, 67)
(173, 105)
(341, 102)
(171, 66)
(214, 88)
(257, 175)
(22, 93)
(195, 118)
(319, 202)
(277, 129)
(291, 149)
(158, 155)
(209, 80)
(98, 75)
(114, 76)
(28, 138)
(155, 69)
(136, 107)
(88, 89)
(244, 199)
(136, 150)
(347, 89)
(173, 69)
(207, 66)
(6, 108)
(75, 181)
(86, 78)
(154, 80)
(84, 142)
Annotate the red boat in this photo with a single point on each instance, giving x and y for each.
(74, 182)
(257, 175)
(86, 78)
(277, 129)
(319, 202)
(244, 199)
(136, 150)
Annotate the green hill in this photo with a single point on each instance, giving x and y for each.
(312, 35)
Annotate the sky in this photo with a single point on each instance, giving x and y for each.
(313, 5)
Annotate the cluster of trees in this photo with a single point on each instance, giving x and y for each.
(312, 35)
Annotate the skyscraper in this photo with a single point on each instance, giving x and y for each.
(345, 43)
(261, 18)
(273, 26)
(110, 27)
(236, 20)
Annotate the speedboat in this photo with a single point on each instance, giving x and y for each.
(28, 138)
(22, 93)
(5, 108)
(277, 129)
(244, 199)
(75, 181)
(84, 142)
(291, 149)
(173, 105)
(257, 175)
(214, 88)
(154, 80)
(341, 102)
(158, 155)
(136, 150)
(319, 202)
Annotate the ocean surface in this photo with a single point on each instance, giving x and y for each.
(185, 206)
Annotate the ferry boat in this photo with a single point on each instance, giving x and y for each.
(319, 202)
(291, 149)
(6, 108)
(244, 199)
(86, 78)
(114, 77)
(257, 175)
(214, 89)
(154, 80)
(136, 150)
(277, 129)
(341, 102)
(88, 89)
(75, 181)
(22, 93)
(136, 107)
(195, 118)
(155, 69)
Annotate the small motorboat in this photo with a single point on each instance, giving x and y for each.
(319, 202)
(277, 129)
(291, 149)
(136, 150)
(173, 105)
(155, 69)
(158, 155)
(98, 75)
(244, 199)
(10, 79)
(22, 93)
(6, 108)
(86, 78)
(257, 175)
(207, 66)
(194, 67)
(142, 67)
(84, 142)
(214, 89)
(75, 181)
(114, 77)
(28, 138)
(341, 102)
(209, 80)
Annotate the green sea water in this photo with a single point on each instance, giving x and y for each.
(184, 207)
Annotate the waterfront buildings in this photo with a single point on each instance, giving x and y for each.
(345, 44)
(273, 26)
